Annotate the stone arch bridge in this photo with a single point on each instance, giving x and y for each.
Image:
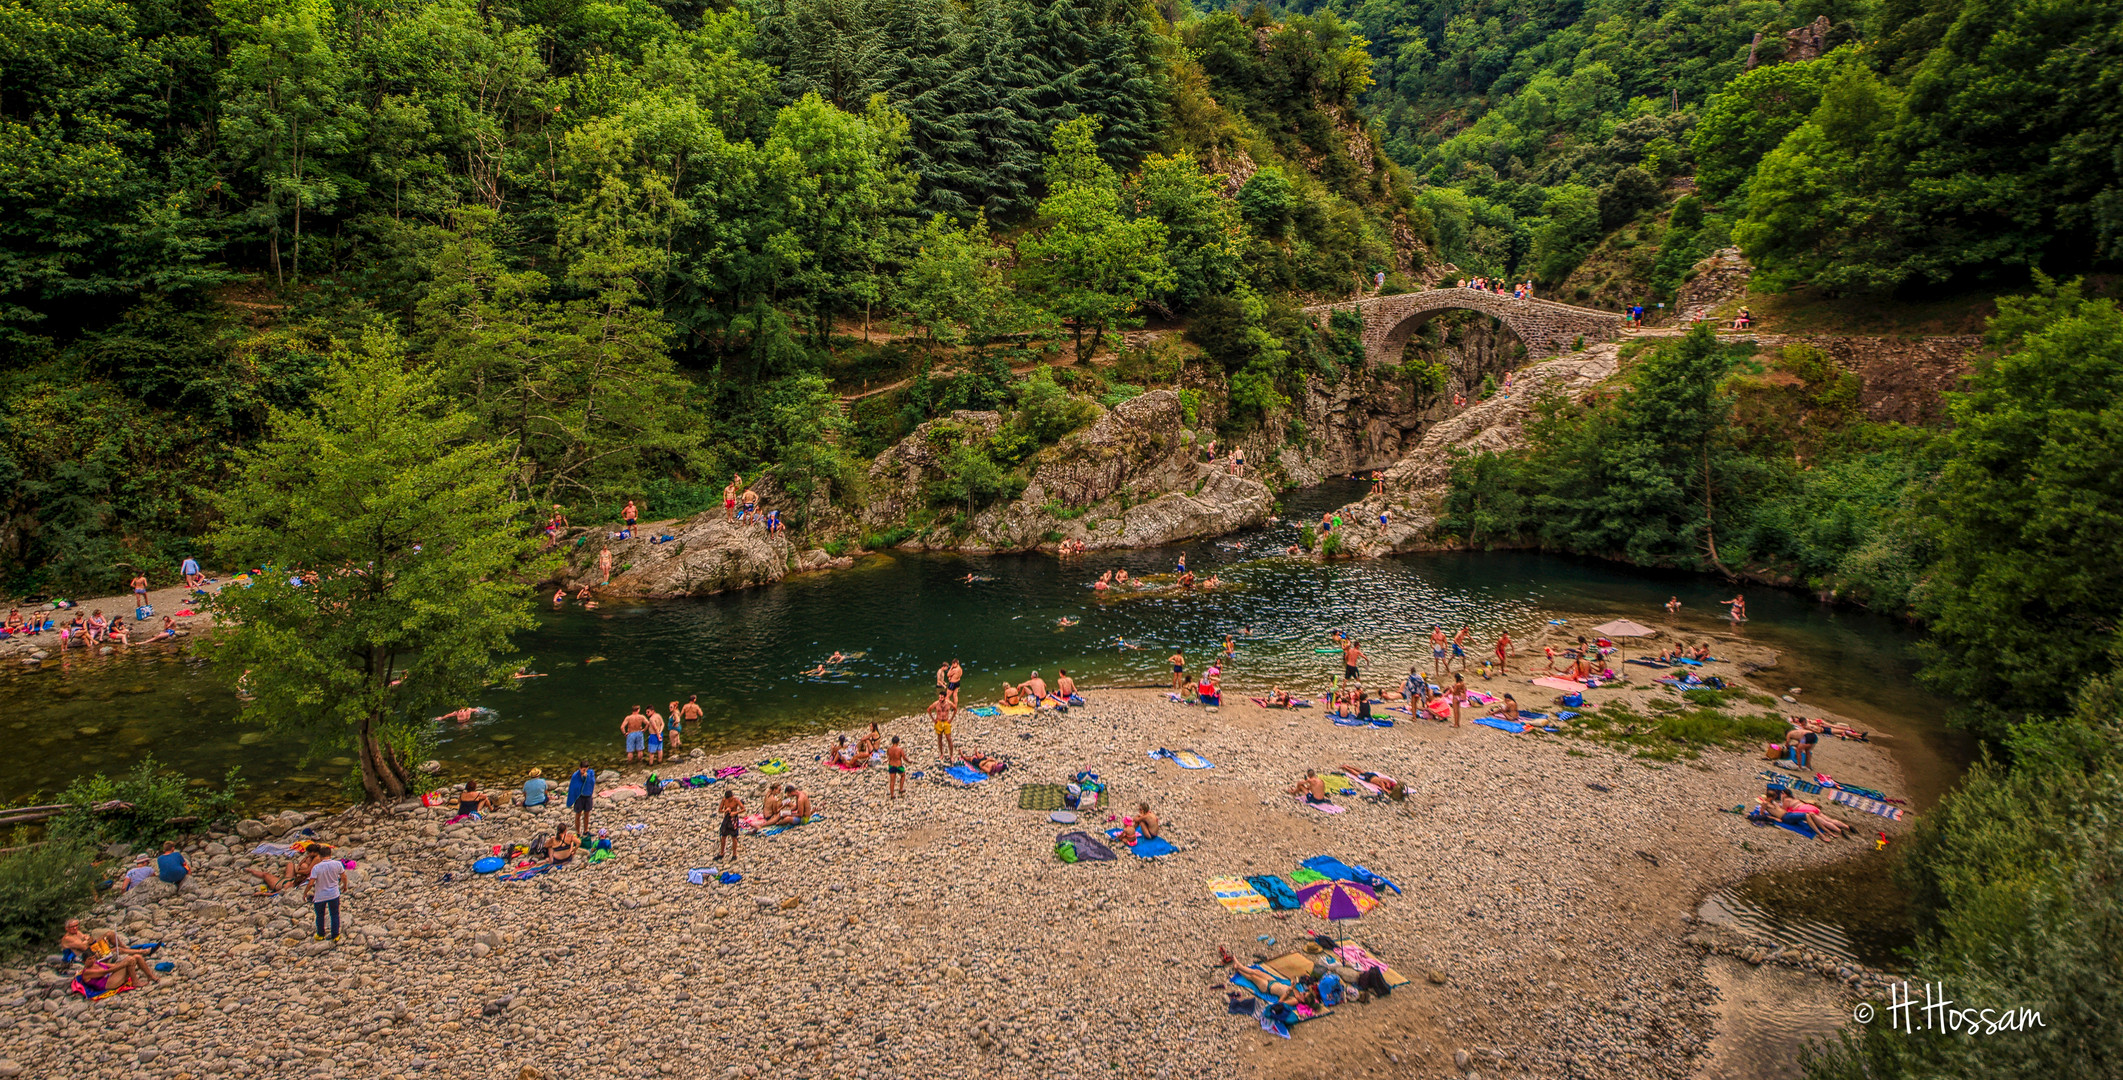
(1544, 325)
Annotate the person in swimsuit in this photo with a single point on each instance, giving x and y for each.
(871, 742)
(474, 801)
(582, 790)
(1013, 694)
(896, 769)
(636, 729)
(731, 809)
(1437, 650)
(562, 847)
(629, 515)
(1351, 657)
(993, 766)
(1179, 670)
(672, 731)
(1064, 686)
(729, 498)
(653, 737)
(604, 565)
(1673, 604)
(114, 972)
(958, 675)
(1393, 789)
(751, 505)
(1508, 709)
(1503, 654)
(940, 715)
(1459, 648)
(1312, 789)
(1737, 607)
(560, 596)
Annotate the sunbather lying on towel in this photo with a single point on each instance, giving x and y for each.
(1829, 727)
(993, 766)
(1381, 781)
(1781, 803)
(1282, 990)
(1278, 698)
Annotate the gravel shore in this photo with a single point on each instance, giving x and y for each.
(936, 936)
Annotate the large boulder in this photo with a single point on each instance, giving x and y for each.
(706, 554)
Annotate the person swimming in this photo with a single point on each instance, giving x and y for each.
(1067, 621)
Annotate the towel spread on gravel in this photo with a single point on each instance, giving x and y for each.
(1145, 847)
(1355, 956)
(966, 774)
(1237, 896)
(1280, 897)
(1042, 797)
(1088, 848)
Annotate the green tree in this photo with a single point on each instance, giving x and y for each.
(2027, 517)
(954, 287)
(410, 552)
(1571, 229)
(1205, 239)
(289, 120)
(844, 197)
(1091, 263)
(1748, 118)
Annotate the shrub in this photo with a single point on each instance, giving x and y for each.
(1118, 393)
(1331, 546)
(40, 888)
(150, 799)
(1306, 538)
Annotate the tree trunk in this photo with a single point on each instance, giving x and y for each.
(383, 777)
(1710, 529)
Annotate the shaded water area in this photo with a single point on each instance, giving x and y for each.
(899, 616)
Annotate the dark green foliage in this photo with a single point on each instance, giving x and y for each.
(150, 798)
(42, 886)
(2027, 517)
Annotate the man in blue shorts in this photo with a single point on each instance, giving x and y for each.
(636, 729)
(582, 787)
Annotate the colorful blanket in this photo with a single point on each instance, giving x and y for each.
(1237, 896)
(1042, 797)
(1355, 956)
(1278, 892)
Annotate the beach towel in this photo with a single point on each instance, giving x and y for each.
(1803, 829)
(1188, 759)
(1322, 807)
(1648, 663)
(729, 772)
(779, 829)
(1334, 869)
(843, 767)
(1237, 896)
(1553, 683)
(526, 875)
(1146, 847)
(1347, 721)
(1368, 787)
(985, 710)
(1088, 848)
(1042, 797)
(1501, 724)
(1866, 803)
(79, 987)
(966, 774)
(1305, 875)
(773, 767)
(1014, 710)
(1380, 721)
(275, 851)
(1298, 1013)
(1356, 956)
(1277, 891)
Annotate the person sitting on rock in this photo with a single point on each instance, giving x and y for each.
(564, 845)
(80, 943)
(102, 974)
(872, 741)
(1508, 709)
(774, 809)
(843, 755)
(1312, 789)
(1146, 822)
(473, 801)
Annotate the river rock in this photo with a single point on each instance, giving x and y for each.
(251, 829)
(707, 554)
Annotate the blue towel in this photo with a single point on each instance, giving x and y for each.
(1334, 868)
(1562, 715)
(1348, 721)
(1146, 847)
(1529, 714)
(1690, 663)
(985, 710)
(1804, 830)
(1380, 721)
(966, 774)
(1500, 724)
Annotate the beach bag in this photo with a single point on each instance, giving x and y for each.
(1065, 851)
(1574, 701)
(143, 613)
(652, 785)
(1373, 980)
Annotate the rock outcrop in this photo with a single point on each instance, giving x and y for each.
(1717, 280)
(1416, 486)
(1132, 478)
(705, 555)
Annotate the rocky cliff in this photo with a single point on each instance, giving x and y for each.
(1416, 485)
(705, 554)
(1132, 478)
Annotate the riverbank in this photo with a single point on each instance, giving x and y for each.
(937, 936)
(166, 601)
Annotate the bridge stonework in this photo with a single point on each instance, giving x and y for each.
(1544, 325)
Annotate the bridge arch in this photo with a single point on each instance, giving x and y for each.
(1544, 325)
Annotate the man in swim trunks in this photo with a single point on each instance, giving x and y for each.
(1351, 657)
(1035, 686)
(629, 515)
(896, 769)
(1503, 654)
(802, 803)
(749, 506)
(958, 675)
(1064, 686)
(653, 738)
(940, 715)
(729, 497)
(1459, 648)
(636, 730)
(1312, 789)
(1437, 650)
(1179, 669)
(1394, 789)
(732, 808)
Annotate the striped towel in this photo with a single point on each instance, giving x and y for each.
(1866, 803)
(1236, 895)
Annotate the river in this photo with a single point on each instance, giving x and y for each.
(899, 616)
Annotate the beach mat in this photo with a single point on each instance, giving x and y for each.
(1088, 848)
(1866, 803)
(966, 774)
(1042, 797)
(1280, 896)
(1145, 847)
(985, 711)
(1356, 956)
(1553, 683)
(1322, 807)
(1804, 830)
(1014, 710)
(780, 829)
(1500, 724)
(1237, 896)
(1188, 759)
(1291, 966)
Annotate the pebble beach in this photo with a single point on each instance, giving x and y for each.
(1546, 926)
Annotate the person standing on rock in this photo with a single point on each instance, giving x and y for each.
(732, 808)
(896, 769)
(749, 504)
(604, 565)
(630, 515)
(940, 713)
(1179, 669)
(636, 729)
(729, 497)
(582, 789)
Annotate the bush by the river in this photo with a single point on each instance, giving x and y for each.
(152, 805)
(41, 886)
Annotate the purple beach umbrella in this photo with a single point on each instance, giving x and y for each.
(1337, 899)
